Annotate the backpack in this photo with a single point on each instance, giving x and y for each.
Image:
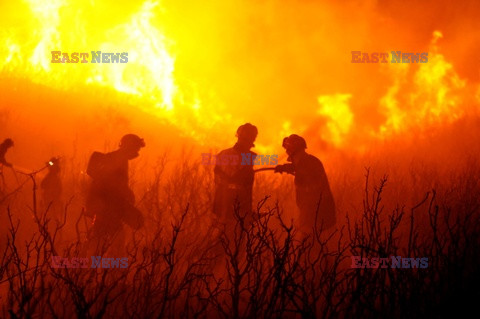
(96, 165)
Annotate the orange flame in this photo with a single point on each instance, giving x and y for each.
(434, 96)
(153, 79)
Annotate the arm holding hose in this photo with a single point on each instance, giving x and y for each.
(285, 168)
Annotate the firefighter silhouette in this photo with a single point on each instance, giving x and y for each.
(313, 195)
(234, 176)
(110, 201)
(51, 187)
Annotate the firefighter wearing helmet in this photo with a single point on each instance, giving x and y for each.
(234, 176)
(130, 145)
(313, 195)
(110, 201)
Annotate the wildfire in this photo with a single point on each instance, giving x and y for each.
(432, 96)
(339, 117)
(148, 75)
(154, 80)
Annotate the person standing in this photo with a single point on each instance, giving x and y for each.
(234, 176)
(110, 201)
(313, 195)
(51, 187)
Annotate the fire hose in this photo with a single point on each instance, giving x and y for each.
(264, 169)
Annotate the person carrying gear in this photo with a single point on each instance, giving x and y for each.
(234, 176)
(110, 200)
(313, 195)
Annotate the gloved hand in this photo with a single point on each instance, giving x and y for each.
(285, 168)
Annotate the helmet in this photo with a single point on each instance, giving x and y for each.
(247, 130)
(295, 141)
(132, 140)
(8, 142)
